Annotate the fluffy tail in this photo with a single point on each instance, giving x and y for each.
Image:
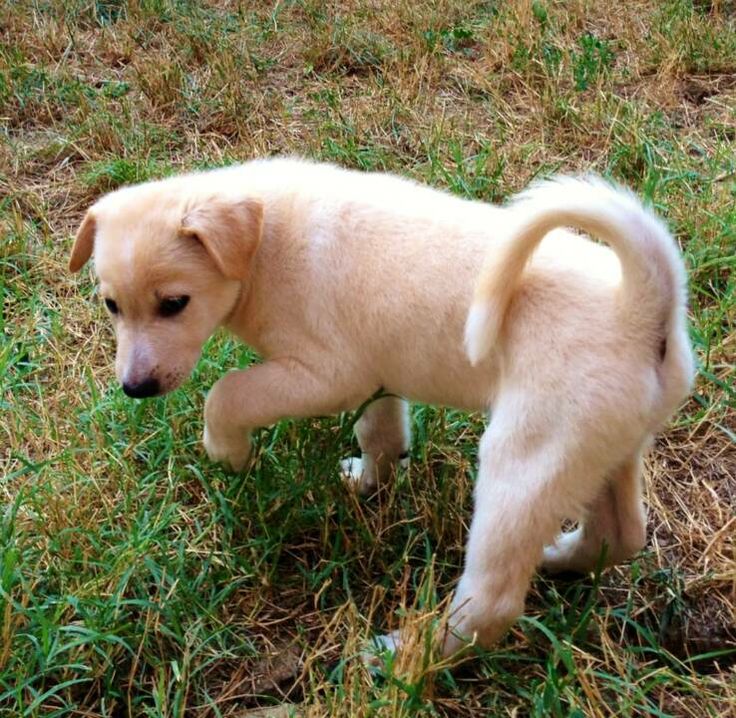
(653, 276)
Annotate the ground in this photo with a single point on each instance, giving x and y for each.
(136, 578)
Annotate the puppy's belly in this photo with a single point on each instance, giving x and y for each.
(460, 386)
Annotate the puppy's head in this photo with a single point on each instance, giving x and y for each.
(171, 268)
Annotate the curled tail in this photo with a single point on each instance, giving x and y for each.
(653, 276)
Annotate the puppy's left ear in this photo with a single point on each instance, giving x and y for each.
(83, 242)
(230, 231)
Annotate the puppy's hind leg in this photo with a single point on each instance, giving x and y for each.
(532, 471)
(614, 526)
(383, 434)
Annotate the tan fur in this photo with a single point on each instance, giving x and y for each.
(229, 231)
(347, 283)
(82, 249)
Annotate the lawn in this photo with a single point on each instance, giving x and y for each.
(138, 579)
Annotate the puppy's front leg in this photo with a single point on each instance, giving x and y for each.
(261, 395)
(383, 434)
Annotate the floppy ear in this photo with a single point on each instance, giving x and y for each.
(85, 239)
(230, 231)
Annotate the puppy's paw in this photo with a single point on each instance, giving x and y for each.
(570, 554)
(354, 474)
(361, 473)
(380, 648)
(554, 561)
(231, 449)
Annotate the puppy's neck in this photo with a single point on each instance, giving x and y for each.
(238, 305)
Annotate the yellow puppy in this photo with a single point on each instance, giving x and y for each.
(347, 283)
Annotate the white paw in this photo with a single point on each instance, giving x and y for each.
(552, 558)
(352, 469)
(231, 450)
(568, 553)
(354, 475)
(360, 473)
(379, 647)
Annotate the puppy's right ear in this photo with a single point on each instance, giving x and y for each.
(83, 243)
(230, 231)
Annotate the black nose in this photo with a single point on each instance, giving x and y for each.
(148, 387)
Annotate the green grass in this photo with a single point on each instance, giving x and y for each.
(136, 578)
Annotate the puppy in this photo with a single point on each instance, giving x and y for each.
(347, 283)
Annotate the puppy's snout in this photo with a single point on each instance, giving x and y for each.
(148, 387)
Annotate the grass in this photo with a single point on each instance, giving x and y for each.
(136, 579)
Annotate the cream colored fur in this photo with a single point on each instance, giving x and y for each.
(347, 283)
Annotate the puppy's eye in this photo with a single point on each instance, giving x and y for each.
(172, 305)
(111, 306)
